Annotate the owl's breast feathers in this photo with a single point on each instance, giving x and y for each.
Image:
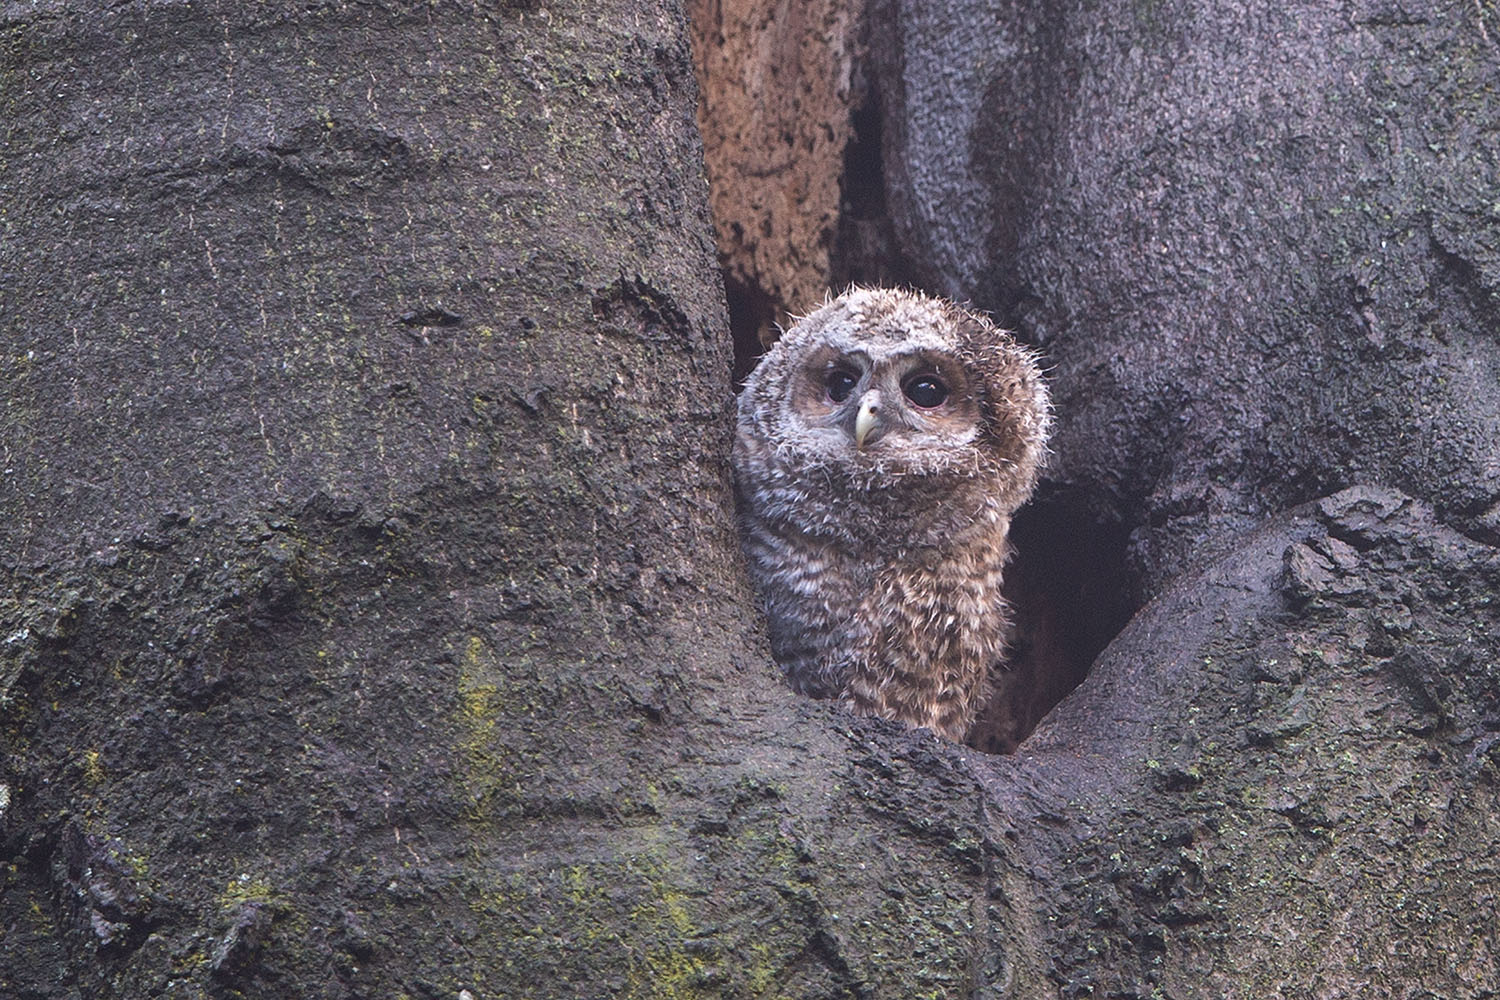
(940, 627)
(904, 631)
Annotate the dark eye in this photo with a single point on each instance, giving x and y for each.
(926, 391)
(840, 384)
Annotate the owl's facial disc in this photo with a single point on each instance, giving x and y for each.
(901, 409)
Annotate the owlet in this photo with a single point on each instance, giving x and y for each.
(883, 444)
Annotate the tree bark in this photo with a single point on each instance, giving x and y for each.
(375, 623)
(1260, 246)
(1282, 778)
(1258, 241)
(366, 524)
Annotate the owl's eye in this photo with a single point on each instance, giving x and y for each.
(927, 391)
(840, 384)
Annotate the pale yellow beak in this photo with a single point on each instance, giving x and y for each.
(864, 423)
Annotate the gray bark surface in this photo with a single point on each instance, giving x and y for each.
(1261, 243)
(373, 621)
(1262, 248)
(1282, 778)
(365, 385)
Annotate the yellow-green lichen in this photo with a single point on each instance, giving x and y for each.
(93, 767)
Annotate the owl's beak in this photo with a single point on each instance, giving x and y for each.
(867, 426)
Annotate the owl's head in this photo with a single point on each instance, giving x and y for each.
(880, 386)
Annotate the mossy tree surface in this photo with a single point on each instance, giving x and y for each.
(373, 622)
(373, 617)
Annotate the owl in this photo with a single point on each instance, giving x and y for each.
(882, 446)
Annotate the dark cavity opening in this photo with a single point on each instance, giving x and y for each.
(865, 250)
(751, 310)
(1071, 593)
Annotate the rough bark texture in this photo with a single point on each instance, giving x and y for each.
(1260, 243)
(775, 115)
(365, 383)
(373, 622)
(1283, 778)
(1262, 247)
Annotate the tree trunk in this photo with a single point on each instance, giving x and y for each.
(1261, 244)
(365, 516)
(375, 622)
(1282, 778)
